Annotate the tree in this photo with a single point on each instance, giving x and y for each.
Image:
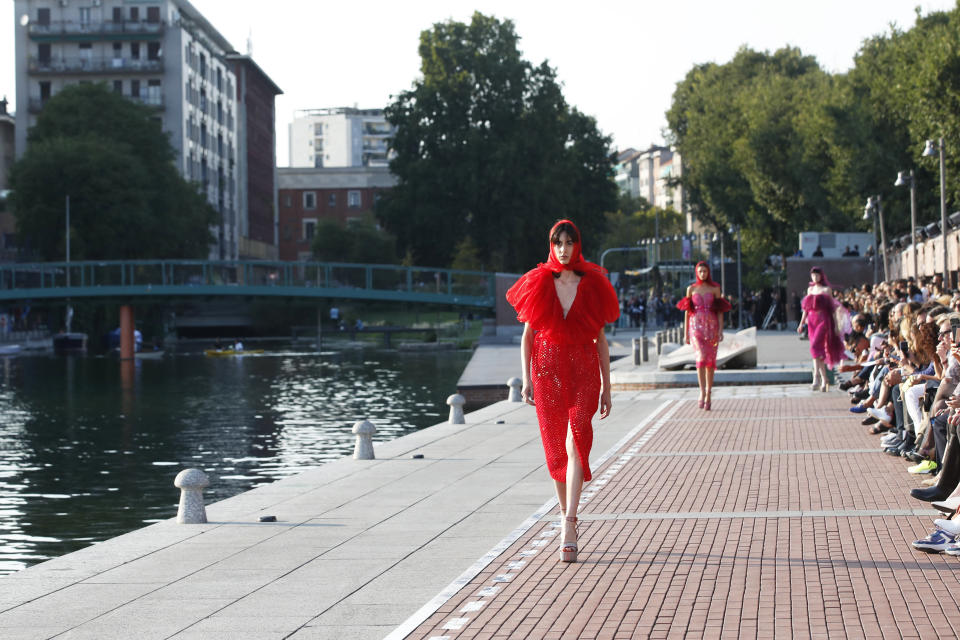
(487, 147)
(358, 241)
(127, 200)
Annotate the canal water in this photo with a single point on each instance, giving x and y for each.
(89, 448)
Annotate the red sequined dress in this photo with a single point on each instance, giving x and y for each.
(564, 364)
(703, 327)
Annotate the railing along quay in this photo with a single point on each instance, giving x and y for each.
(245, 278)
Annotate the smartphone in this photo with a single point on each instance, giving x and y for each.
(955, 326)
(903, 347)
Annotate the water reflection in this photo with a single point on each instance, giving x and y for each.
(89, 446)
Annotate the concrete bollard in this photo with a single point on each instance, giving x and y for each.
(363, 449)
(636, 350)
(191, 483)
(456, 402)
(515, 385)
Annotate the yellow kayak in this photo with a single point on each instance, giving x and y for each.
(217, 353)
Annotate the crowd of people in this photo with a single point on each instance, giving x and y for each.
(902, 357)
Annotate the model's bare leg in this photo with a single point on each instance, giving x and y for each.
(709, 382)
(574, 488)
(702, 383)
(816, 375)
(561, 488)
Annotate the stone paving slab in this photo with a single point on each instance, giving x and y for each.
(783, 533)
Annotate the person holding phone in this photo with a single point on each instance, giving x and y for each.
(826, 345)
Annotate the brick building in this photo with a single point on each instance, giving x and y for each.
(308, 196)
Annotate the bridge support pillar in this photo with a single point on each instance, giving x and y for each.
(126, 332)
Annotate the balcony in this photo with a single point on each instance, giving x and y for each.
(82, 65)
(109, 30)
(155, 101)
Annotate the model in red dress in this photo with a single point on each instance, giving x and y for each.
(565, 304)
(703, 326)
(826, 343)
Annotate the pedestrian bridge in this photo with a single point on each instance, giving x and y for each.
(138, 280)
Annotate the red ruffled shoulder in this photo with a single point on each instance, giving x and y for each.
(721, 305)
(600, 305)
(686, 304)
(532, 296)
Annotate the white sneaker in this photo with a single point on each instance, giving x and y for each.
(890, 437)
(948, 505)
(879, 414)
(950, 526)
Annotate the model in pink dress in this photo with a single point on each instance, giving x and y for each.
(703, 325)
(826, 344)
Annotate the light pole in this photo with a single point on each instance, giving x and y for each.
(904, 179)
(874, 207)
(739, 279)
(930, 149)
(723, 271)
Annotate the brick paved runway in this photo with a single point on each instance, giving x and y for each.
(766, 517)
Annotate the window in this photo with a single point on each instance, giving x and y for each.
(135, 50)
(153, 93)
(332, 200)
(309, 228)
(288, 201)
(118, 14)
(43, 17)
(309, 199)
(135, 13)
(220, 111)
(153, 51)
(43, 53)
(44, 91)
(353, 199)
(118, 86)
(86, 53)
(203, 136)
(220, 144)
(135, 89)
(117, 50)
(203, 101)
(203, 65)
(84, 16)
(153, 14)
(219, 80)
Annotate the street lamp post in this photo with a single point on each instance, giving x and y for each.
(723, 271)
(874, 208)
(739, 280)
(930, 149)
(904, 179)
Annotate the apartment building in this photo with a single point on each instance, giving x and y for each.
(162, 53)
(310, 195)
(340, 137)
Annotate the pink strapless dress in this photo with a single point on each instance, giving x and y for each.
(704, 330)
(824, 341)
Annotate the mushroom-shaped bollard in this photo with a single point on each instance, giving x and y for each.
(191, 483)
(363, 449)
(515, 384)
(456, 402)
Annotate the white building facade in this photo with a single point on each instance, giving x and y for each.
(162, 53)
(340, 137)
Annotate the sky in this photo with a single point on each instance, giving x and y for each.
(619, 60)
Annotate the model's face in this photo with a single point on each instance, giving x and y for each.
(703, 272)
(563, 248)
(816, 277)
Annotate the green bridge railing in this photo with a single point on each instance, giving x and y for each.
(139, 278)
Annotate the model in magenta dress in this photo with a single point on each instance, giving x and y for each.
(704, 306)
(826, 343)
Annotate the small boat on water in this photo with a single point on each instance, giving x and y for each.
(9, 349)
(70, 342)
(220, 353)
(149, 355)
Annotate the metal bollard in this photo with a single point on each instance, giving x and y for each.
(645, 349)
(659, 342)
(456, 402)
(191, 483)
(515, 385)
(363, 449)
(636, 351)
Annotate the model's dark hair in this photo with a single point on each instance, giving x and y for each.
(564, 226)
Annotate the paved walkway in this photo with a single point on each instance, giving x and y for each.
(767, 517)
(774, 515)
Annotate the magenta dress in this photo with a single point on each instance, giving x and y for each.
(704, 330)
(824, 341)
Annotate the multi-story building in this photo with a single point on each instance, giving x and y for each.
(7, 222)
(162, 53)
(310, 195)
(340, 137)
(257, 150)
(627, 172)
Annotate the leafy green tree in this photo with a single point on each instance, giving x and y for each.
(358, 241)
(127, 200)
(487, 147)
